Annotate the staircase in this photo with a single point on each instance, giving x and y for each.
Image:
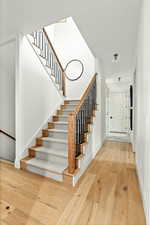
(49, 157)
(43, 48)
(61, 152)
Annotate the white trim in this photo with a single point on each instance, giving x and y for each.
(19, 39)
(98, 149)
(6, 162)
(8, 41)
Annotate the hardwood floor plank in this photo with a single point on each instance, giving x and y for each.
(73, 209)
(104, 209)
(135, 206)
(19, 218)
(120, 211)
(85, 214)
(108, 194)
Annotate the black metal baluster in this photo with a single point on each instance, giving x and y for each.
(78, 135)
(52, 67)
(82, 130)
(41, 40)
(56, 69)
(60, 81)
(43, 45)
(84, 116)
(51, 59)
(44, 48)
(48, 57)
(38, 39)
(35, 40)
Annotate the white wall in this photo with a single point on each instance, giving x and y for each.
(103, 108)
(69, 44)
(7, 99)
(50, 31)
(99, 130)
(102, 97)
(97, 134)
(142, 116)
(37, 98)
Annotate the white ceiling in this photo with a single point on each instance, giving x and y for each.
(108, 26)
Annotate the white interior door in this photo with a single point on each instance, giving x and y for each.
(118, 113)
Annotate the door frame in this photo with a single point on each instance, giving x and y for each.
(108, 120)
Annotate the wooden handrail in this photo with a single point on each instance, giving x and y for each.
(50, 43)
(8, 135)
(58, 61)
(72, 129)
(77, 109)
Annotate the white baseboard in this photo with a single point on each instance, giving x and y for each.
(145, 195)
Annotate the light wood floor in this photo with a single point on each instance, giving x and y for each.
(108, 194)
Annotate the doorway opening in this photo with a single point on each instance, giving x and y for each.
(119, 110)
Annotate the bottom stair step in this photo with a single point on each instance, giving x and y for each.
(46, 168)
(47, 165)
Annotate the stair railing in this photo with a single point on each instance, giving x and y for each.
(42, 41)
(78, 122)
(8, 135)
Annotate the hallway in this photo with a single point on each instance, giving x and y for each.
(108, 194)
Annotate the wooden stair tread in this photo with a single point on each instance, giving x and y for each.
(26, 159)
(66, 172)
(63, 116)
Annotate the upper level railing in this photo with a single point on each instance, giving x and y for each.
(78, 123)
(42, 41)
(8, 135)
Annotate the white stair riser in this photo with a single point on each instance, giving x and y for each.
(45, 173)
(58, 135)
(70, 107)
(66, 112)
(55, 145)
(61, 126)
(63, 119)
(74, 101)
(54, 158)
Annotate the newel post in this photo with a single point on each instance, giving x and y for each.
(71, 143)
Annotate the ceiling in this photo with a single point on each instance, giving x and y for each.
(108, 26)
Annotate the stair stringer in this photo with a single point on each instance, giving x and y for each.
(38, 133)
(84, 161)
